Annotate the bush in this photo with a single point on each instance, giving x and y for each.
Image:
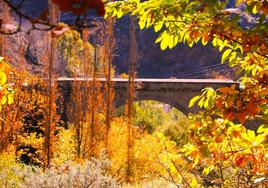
(71, 174)
(87, 174)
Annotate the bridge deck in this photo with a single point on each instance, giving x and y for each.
(150, 80)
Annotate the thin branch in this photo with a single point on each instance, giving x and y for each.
(184, 179)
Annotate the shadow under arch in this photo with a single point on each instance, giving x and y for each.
(173, 103)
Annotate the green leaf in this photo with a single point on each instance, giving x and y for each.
(193, 101)
(207, 170)
(232, 57)
(120, 13)
(158, 26)
(263, 129)
(225, 55)
(206, 103)
(159, 39)
(201, 102)
(142, 24)
(164, 43)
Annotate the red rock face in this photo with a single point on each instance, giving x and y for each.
(80, 7)
(181, 62)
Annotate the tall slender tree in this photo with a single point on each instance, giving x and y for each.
(108, 57)
(53, 17)
(93, 103)
(131, 95)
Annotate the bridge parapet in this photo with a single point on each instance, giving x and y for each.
(175, 92)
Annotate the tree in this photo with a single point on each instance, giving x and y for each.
(222, 143)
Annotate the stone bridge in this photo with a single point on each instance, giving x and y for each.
(174, 92)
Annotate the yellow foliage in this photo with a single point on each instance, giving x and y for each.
(6, 93)
(154, 156)
(9, 170)
(64, 149)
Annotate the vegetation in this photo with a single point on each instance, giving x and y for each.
(221, 145)
(145, 143)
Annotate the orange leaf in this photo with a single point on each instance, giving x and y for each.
(236, 134)
(219, 103)
(230, 116)
(241, 117)
(252, 108)
(226, 90)
(219, 139)
(239, 160)
(206, 36)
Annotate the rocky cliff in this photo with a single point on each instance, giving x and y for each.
(181, 62)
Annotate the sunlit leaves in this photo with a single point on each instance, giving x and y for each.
(263, 129)
(158, 26)
(206, 100)
(71, 47)
(225, 55)
(224, 143)
(6, 93)
(192, 152)
(167, 40)
(3, 78)
(207, 170)
(193, 101)
(240, 34)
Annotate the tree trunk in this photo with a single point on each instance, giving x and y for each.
(53, 17)
(131, 95)
(109, 45)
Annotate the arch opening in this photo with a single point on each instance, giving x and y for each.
(173, 103)
(157, 117)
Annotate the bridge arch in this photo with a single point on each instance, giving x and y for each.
(175, 92)
(165, 100)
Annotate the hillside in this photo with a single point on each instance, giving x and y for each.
(182, 62)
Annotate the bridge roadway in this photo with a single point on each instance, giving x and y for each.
(152, 80)
(175, 92)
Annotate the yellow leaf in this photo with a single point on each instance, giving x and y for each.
(142, 23)
(194, 183)
(3, 100)
(164, 44)
(158, 26)
(207, 170)
(263, 129)
(3, 78)
(255, 10)
(160, 135)
(120, 13)
(10, 99)
(193, 101)
(225, 55)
